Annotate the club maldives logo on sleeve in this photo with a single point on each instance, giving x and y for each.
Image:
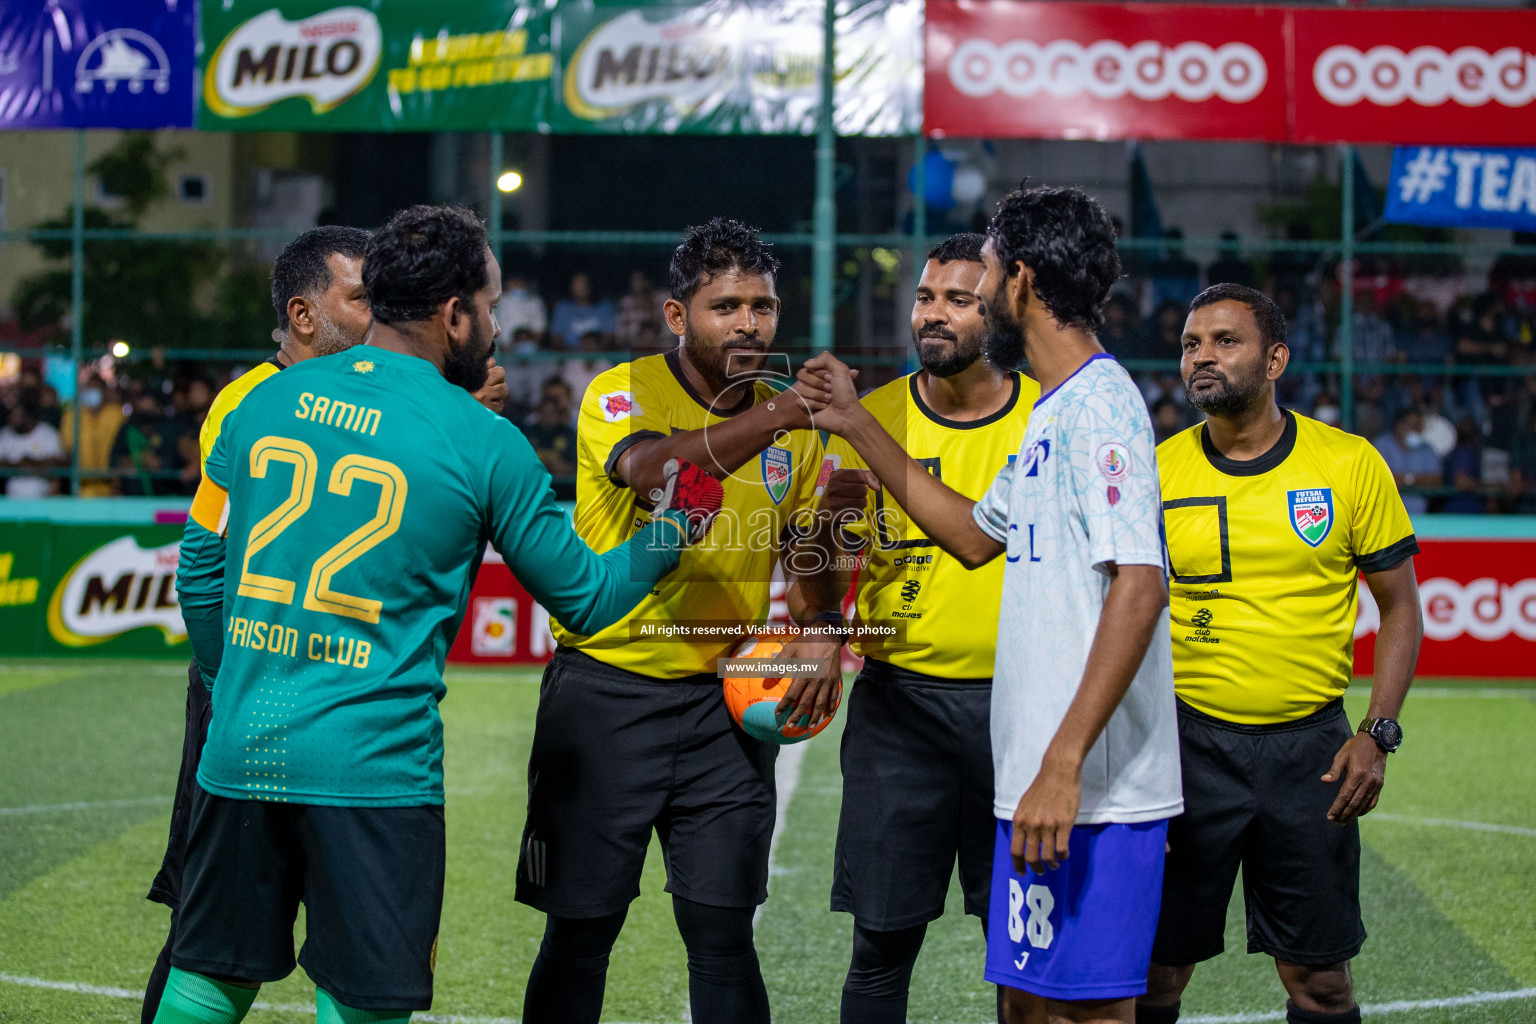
(777, 470)
(830, 464)
(326, 58)
(617, 405)
(1311, 514)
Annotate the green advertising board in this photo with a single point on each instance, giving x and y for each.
(89, 589)
(439, 65)
(736, 67)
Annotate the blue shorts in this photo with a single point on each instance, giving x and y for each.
(1084, 931)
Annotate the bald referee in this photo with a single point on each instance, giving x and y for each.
(1270, 517)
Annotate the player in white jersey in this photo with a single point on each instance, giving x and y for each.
(1084, 740)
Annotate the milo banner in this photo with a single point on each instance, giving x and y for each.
(85, 589)
(737, 67)
(438, 65)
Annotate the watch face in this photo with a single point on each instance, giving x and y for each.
(1390, 733)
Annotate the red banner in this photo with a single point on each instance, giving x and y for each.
(1479, 600)
(1104, 71)
(1037, 69)
(1452, 77)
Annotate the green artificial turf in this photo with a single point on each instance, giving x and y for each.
(88, 758)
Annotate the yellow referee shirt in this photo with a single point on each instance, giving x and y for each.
(1265, 556)
(227, 401)
(719, 591)
(945, 614)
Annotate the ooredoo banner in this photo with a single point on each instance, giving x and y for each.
(1104, 71)
(1076, 70)
(1415, 76)
(1479, 602)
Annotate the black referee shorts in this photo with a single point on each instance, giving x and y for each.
(1253, 797)
(617, 754)
(166, 888)
(370, 878)
(917, 795)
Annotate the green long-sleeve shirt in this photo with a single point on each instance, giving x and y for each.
(362, 489)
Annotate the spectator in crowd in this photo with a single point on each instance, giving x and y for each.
(1292, 269)
(1370, 335)
(1167, 419)
(191, 403)
(143, 448)
(520, 309)
(650, 340)
(1175, 277)
(579, 315)
(152, 377)
(1326, 410)
(1479, 342)
(523, 378)
(1165, 331)
(1229, 266)
(101, 416)
(1119, 335)
(553, 439)
(1512, 280)
(1423, 338)
(556, 387)
(1463, 470)
(1413, 463)
(1522, 458)
(578, 373)
(640, 305)
(29, 443)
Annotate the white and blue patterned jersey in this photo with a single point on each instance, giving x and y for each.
(1082, 496)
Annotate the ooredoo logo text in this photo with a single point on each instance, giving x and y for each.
(1484, 609)
(1109, 69)
(1426, 75)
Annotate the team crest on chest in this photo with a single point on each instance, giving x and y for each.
(1311, 513)
(777, 469)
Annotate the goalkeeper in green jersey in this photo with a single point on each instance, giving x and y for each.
(357, 492)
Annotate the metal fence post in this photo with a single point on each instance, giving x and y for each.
(1347, 284)
(493, 207)
(77, 303)
(824, 249)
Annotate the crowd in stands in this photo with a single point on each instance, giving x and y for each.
(1456, 442)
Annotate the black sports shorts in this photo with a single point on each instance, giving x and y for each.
(166, 888)
(917, 794)
(616, 754)
(1253, 796)
(371, 879)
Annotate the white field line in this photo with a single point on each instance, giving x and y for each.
(82, 805)
(1367, 1010)
(1470, 826)
(1375, 1009)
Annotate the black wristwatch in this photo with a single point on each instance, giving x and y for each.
(1385, 731)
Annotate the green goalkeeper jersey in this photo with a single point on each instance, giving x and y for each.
(362, 488)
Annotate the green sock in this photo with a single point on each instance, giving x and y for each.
(196, 999)
(329, 1011)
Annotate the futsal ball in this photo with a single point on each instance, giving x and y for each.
(751, 699)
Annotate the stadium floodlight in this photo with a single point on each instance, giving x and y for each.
(120, 349)
(510, 181)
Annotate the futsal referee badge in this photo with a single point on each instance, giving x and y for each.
(1312, 514)
(776, 472)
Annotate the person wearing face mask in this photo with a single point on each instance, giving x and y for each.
(100, 415)
(1412, 461)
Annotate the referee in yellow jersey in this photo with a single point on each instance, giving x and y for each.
(917, 750)
(1270, 518)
